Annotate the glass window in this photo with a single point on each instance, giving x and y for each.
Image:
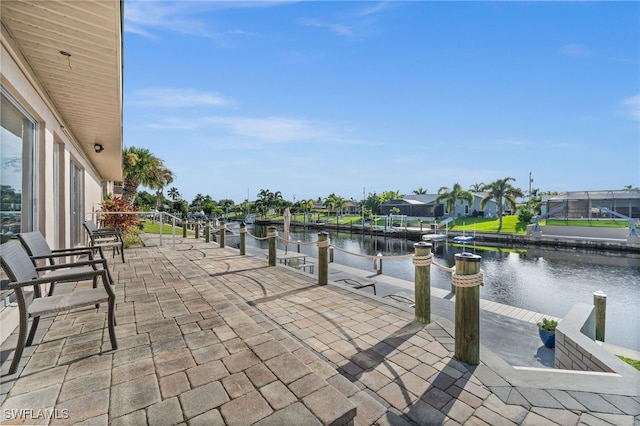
(17, 172)
(17, 168)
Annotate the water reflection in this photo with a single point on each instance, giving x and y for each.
(544, 280)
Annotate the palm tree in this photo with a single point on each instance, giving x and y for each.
(451, 196)
(162, 177)
(173, 193)
(477, 187)
(501, 191)
(139, 167)
(420, 191)
(330, 201)
(264, 201)
(198, 201)
(277, 201)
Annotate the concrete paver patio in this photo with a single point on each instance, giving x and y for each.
(210, 337)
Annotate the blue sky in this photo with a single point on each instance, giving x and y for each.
(313, 98)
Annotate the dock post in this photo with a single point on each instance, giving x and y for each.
(184, 228)
(600, 303)
(197, 229)
(271, 236)
(330, 254)
(298, 246)
(378, 264)
(323, 264)
(243, 238)
(222, 234)
(207, 232)
(422, 261)
(467, 279)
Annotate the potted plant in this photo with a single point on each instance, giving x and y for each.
(547, 331)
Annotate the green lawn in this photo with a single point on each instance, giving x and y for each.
(632, 362)
(604, 223)
(510, 225)
(154, 228)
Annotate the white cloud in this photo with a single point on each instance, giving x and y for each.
(339, 29)
(274, 129)
(146, 17)
(632, 106)
(375, 8)
(577, 50)
(176, 98)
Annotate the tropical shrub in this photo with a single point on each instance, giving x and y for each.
(525, 214)
(126, 222)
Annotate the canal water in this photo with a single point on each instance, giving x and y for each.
(545, 280)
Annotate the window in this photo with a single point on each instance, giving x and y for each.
(17, 175)
(17, 168)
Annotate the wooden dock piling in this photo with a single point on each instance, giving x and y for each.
(467, 280)
(422, 262)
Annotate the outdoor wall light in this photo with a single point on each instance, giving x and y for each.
(98, 147)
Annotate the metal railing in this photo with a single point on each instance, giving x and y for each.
(161, 217)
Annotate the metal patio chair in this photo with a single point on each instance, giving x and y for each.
(22, 275)
(38, 249)
(105, 237)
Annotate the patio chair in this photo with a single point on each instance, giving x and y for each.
(38, 250)
(105, 237)
(22, 274)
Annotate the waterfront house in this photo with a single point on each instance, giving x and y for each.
(425, 205)
(61, 98)
(587, 204)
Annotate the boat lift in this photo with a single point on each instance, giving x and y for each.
(537, 219)
(632, 222)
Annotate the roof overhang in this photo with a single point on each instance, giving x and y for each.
(84, 89)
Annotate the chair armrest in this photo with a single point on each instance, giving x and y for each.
(72, 249)
(62, 254)
(70, 277)
(92, 262)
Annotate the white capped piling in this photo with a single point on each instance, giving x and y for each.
(600, 303)
(422, 262)
(467, 280)
(323, 258)
(377, 264)
(272, 234)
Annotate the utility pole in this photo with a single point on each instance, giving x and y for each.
(530, 182)
(363, 201)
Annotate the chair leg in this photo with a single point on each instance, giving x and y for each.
(112, 322)
(122, 252)
(22, 334)
(32, 332)
(51, 288)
